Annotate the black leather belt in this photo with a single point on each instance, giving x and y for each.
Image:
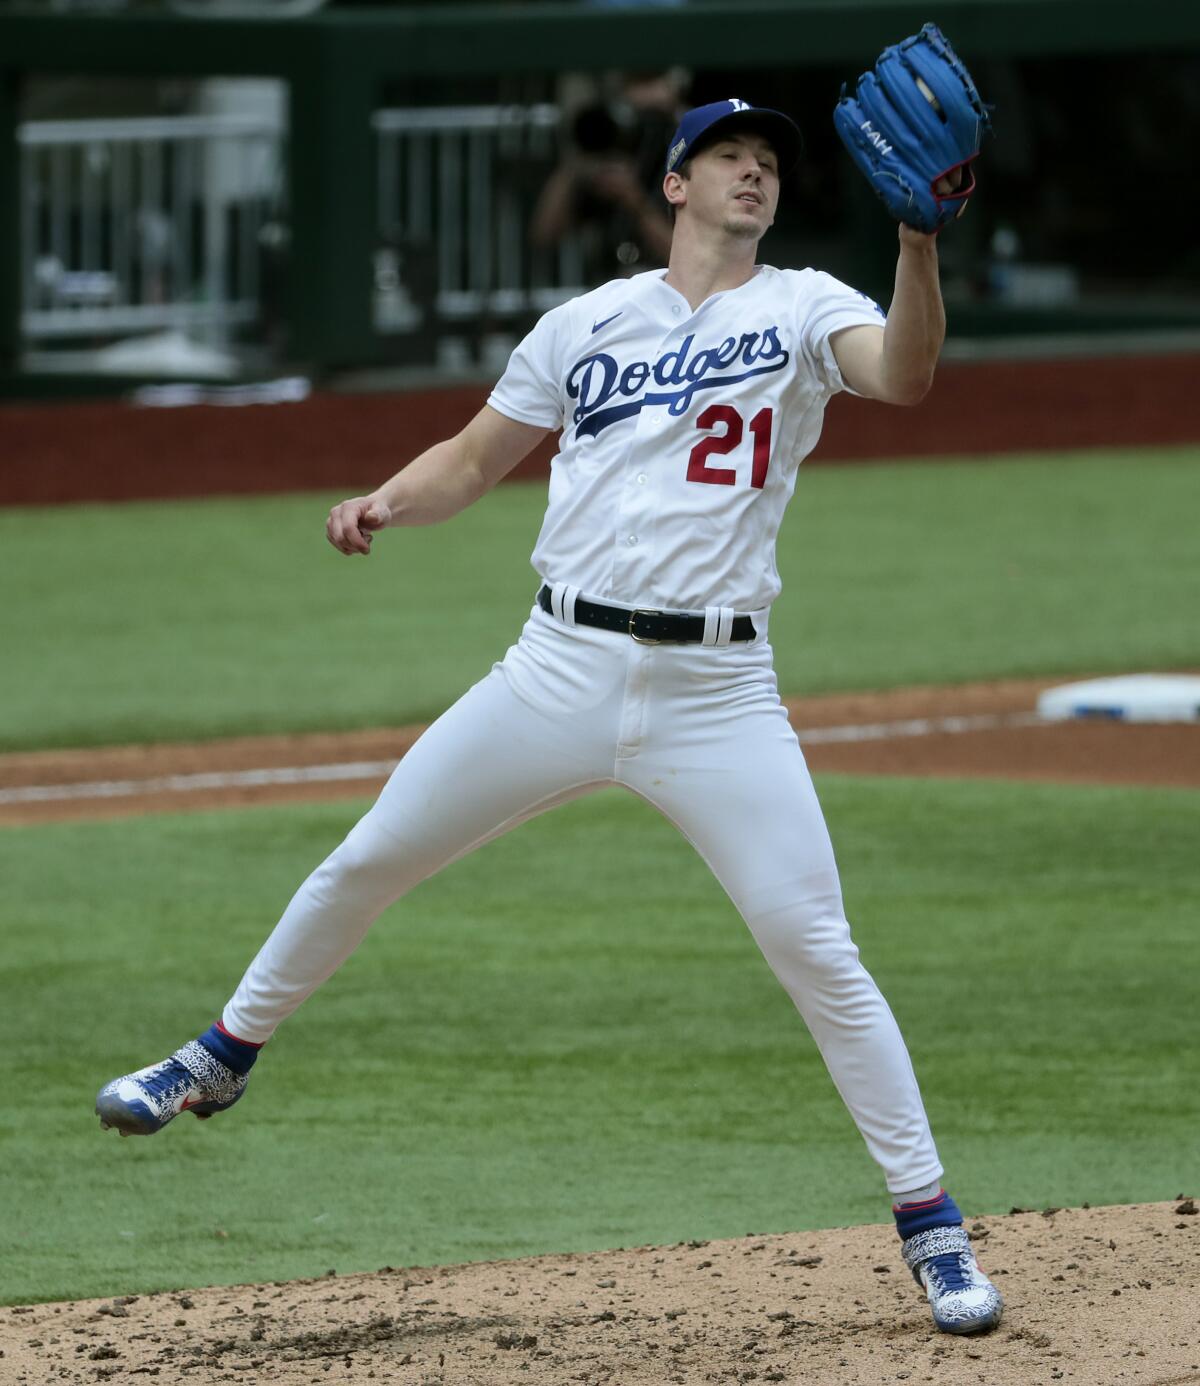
(645, 625)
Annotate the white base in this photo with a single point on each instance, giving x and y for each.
(1129, 698)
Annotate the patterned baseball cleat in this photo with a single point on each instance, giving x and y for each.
(962, 1298)
(193, 1079)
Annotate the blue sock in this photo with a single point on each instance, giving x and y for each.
(236, 1054)
(912, 1218)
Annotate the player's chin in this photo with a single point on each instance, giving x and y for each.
(748, 222)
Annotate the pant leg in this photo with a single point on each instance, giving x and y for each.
(720, 759)
(515, 745)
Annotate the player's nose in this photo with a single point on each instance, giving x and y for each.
(752, 173)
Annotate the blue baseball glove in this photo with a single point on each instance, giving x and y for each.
(913, 126)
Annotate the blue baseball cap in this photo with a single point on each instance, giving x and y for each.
(703, 123)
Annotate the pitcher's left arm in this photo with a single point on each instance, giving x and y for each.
(895, 363)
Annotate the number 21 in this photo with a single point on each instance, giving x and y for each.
(721, 443)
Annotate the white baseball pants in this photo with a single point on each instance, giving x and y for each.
(701, 734)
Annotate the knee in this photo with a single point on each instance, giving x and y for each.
(818, 944)
(365, 866)
(801, 918)
(807, 945)
(817, 964)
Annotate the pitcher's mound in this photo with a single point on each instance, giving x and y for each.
(1093, 1297)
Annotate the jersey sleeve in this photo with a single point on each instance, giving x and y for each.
(825, 307)
(530, 390)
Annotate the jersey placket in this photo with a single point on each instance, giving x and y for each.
(635, 561)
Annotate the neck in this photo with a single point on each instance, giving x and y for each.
(702, 266)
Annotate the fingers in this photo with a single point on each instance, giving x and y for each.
(378, 515)
(341, 529)
(349, 525)
(956, 182)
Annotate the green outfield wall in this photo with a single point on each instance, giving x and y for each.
(338, 62)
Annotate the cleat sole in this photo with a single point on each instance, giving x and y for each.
(976, 1326)
(115, 1114)
(982, 1322)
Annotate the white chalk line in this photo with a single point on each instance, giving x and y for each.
(191, 784)
(350, 771)
(918, 726)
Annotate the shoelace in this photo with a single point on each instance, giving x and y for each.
(951, 1271)
(171, 1079)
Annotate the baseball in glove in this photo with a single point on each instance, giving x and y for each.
(913, 125)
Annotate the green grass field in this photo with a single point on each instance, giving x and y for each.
(520, 1060)
(523, 1059)
(159, 621)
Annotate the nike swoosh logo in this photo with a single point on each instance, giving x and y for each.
(596, 326)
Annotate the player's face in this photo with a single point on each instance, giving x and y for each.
(735, 185)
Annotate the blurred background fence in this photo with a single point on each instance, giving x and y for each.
(143, 223)
(454, 180)
(164, 222)
(226, 193)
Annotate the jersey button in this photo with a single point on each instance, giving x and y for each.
(675, 310)
(632, 540)
(641, 478)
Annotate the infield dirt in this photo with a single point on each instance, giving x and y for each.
(985, 729)
(1095, 1296)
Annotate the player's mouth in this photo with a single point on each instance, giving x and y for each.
(749, 196)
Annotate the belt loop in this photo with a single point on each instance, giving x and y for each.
(725, 625)
(712, 621)
(556, 599)
(568, 604)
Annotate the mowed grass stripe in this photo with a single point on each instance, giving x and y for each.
(165, 621)
(569, 1039)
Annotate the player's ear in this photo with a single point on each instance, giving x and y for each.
(675, 189)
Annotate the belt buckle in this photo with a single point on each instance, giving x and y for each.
(643, 639)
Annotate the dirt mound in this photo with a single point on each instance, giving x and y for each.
(1093, 1295)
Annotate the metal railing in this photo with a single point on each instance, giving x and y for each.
(137, 224)
(458, 184)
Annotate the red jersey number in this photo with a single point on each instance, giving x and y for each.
(727, 417)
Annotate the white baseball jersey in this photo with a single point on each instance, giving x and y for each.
(682, 431)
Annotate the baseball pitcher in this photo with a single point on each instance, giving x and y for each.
(686, 400)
